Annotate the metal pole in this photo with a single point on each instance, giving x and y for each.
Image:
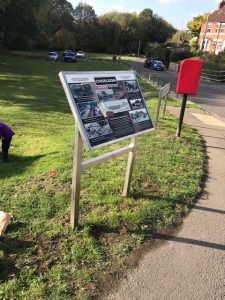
(182, 111)
(129, 170)
(164, 109)
(158, 111)
(139, 46)
(76, 176)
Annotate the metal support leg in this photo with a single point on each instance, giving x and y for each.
(164, 108)
(129, 171)
(76, 178)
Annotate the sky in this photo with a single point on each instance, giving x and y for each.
(176, 12)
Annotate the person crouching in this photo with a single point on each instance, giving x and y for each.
(6, 135)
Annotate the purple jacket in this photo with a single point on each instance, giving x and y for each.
(5, 131)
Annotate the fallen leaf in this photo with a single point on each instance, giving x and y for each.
(123, 230)
(147, 227)
(52, 173)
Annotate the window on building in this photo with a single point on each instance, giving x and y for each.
(205, 45)
(219, 44)
(217, 28)
(208, 28)
(222, 29)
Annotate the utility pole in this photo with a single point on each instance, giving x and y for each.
(139, 46)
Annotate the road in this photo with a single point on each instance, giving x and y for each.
(211, 96)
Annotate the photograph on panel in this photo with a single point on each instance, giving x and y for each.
(139, 115)
(136, 103)
(81, 92)
(120, 91)
(89, 110)
(97, 129)
(115, 106)
(132, 89)
(105, 95)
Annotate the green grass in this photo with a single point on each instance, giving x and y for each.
(104, 56)
(40, 257)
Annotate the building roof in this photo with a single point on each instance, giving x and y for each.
(218, 15)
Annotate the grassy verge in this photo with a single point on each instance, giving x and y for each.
(40, 257)
(104, 56)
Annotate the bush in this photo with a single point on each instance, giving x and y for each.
(178, 55)
(215, 58)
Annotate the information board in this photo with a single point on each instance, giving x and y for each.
(108, 106)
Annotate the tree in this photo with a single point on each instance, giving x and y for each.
(162, 30)
(18, 24)
(181, 37)
(194, 45)
(196, 23)
(86, 26)
(124, 32)
(145, 26)
(152, 28)
(4, 4)
(119, 32)
(54, 16)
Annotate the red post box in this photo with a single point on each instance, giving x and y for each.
(187, 84)
(188, 77)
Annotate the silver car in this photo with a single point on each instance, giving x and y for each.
(53, 56)
(80, 54)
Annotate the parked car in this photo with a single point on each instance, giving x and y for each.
(148, 62)
(53, 56)
(69, 56)
(158, 65)
(80, 54)
(154, 64)
(67, 51)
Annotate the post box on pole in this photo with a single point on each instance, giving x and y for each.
(187, 84)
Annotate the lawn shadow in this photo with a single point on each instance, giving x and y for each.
(16, 165)
(12, 248)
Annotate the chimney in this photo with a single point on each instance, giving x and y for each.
(221, 4)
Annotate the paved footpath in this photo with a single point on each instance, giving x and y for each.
(190, 264)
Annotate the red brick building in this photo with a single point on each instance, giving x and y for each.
(212, 36)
